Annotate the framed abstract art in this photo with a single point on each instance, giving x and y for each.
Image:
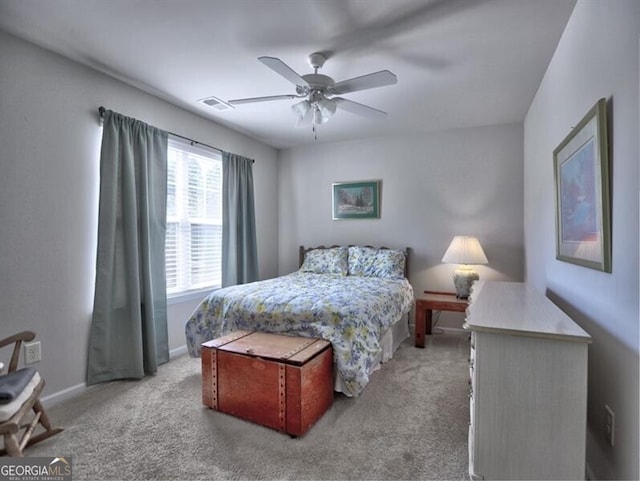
(581, 168)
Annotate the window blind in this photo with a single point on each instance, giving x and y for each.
(193, 245)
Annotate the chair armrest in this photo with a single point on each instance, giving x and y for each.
(21, 336)
(16, 340)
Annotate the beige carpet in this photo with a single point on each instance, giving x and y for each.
(410, 423)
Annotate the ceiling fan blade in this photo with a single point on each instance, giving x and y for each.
(262, 99)
(369, 81)
(281, 68)
(359, 109)
(397, 22)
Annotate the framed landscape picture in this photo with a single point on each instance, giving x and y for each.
(356, 200)
(581, 168)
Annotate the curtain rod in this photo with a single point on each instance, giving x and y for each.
(101, 111)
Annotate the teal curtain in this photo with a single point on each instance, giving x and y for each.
(239, 247)
(129, 336)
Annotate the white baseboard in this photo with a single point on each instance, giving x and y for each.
(437, 329)
(73, 391)
(178, 351)
(412, 328)
(64, 395)
(451, 329)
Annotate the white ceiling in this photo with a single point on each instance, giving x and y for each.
(459, 63)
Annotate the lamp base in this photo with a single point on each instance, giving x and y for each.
(463, 279)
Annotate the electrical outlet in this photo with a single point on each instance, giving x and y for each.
(609, 424)
(32, 352)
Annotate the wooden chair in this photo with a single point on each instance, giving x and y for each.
(17, 414)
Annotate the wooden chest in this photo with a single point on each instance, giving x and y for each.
(282, 382)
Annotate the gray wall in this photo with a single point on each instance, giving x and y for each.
(596, 57)
(49, 159)
(434, 186)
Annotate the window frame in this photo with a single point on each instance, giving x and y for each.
(185, 220)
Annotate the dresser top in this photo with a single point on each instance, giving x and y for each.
(517, 308)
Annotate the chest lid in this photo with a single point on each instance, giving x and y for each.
(287, 349)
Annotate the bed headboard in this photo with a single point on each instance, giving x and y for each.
(303, 250)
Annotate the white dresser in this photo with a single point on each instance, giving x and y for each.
(528, 393)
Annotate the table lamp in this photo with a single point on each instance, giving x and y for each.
(464, 251)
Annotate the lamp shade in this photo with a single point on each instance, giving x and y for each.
(465, 250)
(327, 107)
(301, 108)
(315, 111)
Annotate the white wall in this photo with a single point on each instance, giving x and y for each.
(434, 186)
(596, 57)
(49, 158)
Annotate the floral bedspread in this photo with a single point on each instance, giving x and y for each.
(352, 312)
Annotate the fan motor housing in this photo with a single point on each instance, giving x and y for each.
(318, 81)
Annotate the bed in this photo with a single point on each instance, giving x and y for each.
(356, 297)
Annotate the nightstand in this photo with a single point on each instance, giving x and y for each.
(434, 301)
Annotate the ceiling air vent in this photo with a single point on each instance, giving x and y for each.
(216, 103)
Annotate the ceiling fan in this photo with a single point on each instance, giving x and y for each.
(321, 91)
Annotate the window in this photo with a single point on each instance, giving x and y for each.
(193, 250)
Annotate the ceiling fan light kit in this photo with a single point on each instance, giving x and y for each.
(319, 91)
